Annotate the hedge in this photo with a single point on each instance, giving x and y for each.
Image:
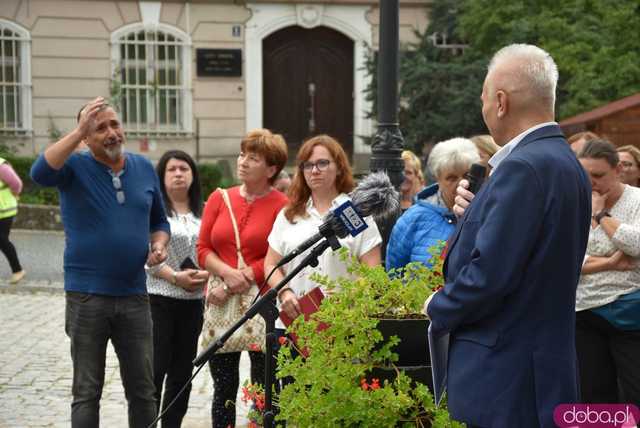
(211, 177)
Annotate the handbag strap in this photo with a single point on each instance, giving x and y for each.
(227, 202)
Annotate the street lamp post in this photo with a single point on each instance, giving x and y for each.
(388, 142)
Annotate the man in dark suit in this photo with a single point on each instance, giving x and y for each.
(514, 260)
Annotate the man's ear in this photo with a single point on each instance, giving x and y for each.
(503, 103)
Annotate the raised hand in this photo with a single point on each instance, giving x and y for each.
(87, 122)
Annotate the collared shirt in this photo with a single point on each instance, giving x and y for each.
(286, 236)
(502, 154)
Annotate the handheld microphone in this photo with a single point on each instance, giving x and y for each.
(475, 176)
(374, 196)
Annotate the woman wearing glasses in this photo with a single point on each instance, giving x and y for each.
(323, 174)
(176, 287)
(255, 205)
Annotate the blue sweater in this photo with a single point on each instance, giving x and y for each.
(106, 243)
(421, 227)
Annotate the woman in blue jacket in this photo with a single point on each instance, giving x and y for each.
(431, 220)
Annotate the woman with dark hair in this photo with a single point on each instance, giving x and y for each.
(176, 287)
(323, 175)
(255, 205)
(608, 293)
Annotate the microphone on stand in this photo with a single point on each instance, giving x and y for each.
(475, 176)
(374, 196)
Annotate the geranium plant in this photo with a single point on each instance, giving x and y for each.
(331, 386)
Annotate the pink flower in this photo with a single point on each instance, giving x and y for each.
(255, 347)
(282, 340)
(375, 383)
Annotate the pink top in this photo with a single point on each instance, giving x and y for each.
(10, 178)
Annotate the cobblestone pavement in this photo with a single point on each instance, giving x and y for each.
(35, 366)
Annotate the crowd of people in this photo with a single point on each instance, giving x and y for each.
(556, 227)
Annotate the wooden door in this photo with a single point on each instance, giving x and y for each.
(308, 85)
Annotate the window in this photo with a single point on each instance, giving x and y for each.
(15, 79)
(151, 80)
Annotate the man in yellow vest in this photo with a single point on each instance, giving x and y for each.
(10, 187)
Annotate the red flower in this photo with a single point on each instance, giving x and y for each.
(252, 424)
(255, 347)
(282, 340)
(260, 403)
(246, 395)
(375, 383)
(363, 384)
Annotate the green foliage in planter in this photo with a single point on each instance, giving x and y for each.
(330, 387)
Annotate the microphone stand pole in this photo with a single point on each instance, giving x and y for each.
(266, 307)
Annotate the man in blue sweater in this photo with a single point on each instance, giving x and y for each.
(114, 222)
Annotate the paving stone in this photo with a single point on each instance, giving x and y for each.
(35, 366)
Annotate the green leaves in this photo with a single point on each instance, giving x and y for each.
(332, 386)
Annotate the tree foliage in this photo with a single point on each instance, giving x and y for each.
(595, 43)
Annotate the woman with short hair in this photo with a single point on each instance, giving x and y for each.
(431, 220)
(255, 205)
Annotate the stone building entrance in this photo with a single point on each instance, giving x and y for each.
(308, 85)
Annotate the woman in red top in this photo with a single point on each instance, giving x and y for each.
(255, 206)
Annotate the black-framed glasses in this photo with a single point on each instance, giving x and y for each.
(117, 184)
(321, 164)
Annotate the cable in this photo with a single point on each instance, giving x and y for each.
(153, 424)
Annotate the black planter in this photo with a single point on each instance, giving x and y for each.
(413, 351)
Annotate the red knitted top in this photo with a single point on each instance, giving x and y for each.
(254, 220)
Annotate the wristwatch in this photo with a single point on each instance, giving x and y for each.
(598, 217)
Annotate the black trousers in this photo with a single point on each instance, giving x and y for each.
(226, 380)
(607, 360)
(176, 327)
(6, 246)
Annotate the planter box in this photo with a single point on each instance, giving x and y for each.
(413, 349)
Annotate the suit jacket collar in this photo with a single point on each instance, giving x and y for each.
(540, 133)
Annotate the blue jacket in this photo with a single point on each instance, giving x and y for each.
(421, 227)
(511, 272)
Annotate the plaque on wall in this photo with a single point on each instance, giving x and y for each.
(219, 62)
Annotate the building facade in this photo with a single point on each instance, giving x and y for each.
(193, 75)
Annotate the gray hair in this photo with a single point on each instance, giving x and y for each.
(535, 70)
(452, 154)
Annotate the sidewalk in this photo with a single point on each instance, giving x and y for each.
(35, 364)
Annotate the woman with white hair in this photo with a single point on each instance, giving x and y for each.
(431, 220)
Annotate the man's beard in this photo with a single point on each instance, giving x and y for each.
(114, 152)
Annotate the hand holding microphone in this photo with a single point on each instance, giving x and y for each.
(468, 187)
